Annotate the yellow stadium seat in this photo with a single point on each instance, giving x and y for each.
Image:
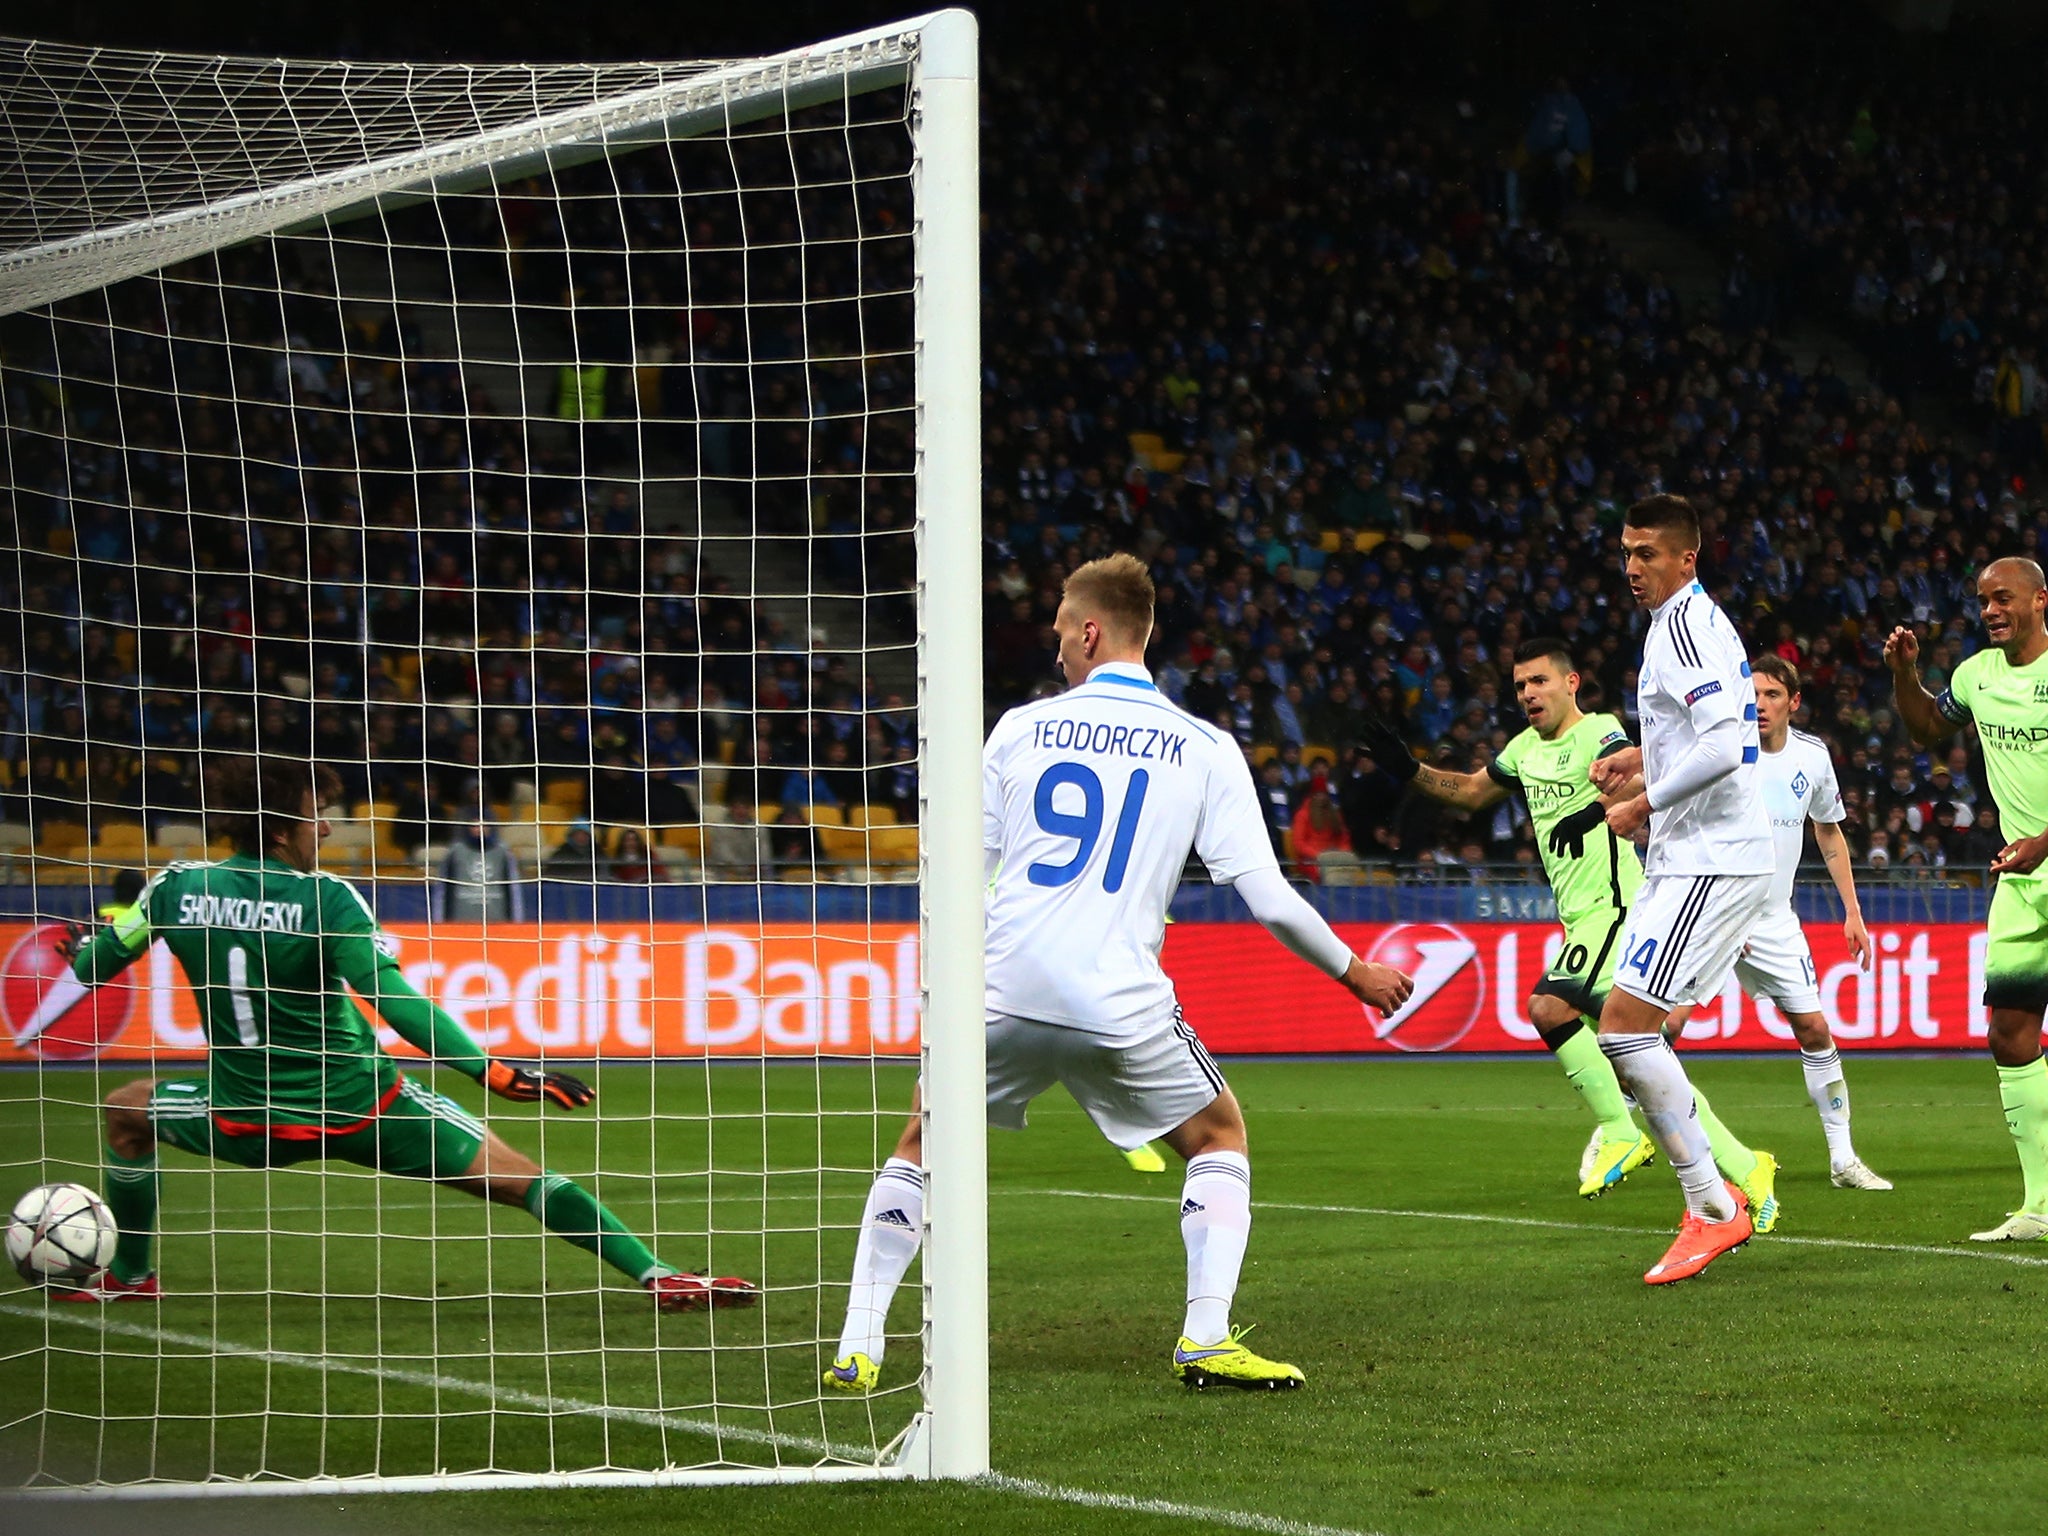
(1330, 542)
(1365, 543)
(688, 838)
(892, 845)
(825, 815)
(1264, 753)
(1145, 445)
(843, 845)
(60, 840)
(565, 792)
(119, 836)
(871, 816)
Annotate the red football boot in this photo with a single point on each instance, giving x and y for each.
(695, 1293)
(1700, 1242)
(108, 1286)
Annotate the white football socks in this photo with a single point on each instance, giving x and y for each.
(890, 1230)
(1649, 1069)
(1216, 1224)
(1830, 1094)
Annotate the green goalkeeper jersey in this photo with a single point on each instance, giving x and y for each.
(1553, 776)
(271, 953)
(2010, 706)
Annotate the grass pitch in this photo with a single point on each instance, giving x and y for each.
(1481, 1352)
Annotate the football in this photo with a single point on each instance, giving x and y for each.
(60, 1233)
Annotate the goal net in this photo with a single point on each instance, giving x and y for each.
(581, 461)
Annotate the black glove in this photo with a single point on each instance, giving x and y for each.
(1569, 835)
(523, 1085)
(1386, 747)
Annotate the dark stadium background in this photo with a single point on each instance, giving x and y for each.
(1300, 302)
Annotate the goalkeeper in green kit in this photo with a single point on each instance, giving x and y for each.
(1594, 876)
(294, 1074)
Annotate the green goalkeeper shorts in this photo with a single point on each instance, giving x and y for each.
(420, 1134)
(2016, 956)
(1583, 971)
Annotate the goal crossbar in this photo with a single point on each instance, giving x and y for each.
(720, 96)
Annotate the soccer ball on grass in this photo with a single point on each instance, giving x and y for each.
(60, 1233)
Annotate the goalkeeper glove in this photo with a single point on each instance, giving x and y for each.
(76, 937)
(1385, 746)
(524, 1085)
(1569, 835)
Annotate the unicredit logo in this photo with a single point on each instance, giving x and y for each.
(1450, 985)
(88, 1027)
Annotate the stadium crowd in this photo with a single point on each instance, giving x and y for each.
(1912, 214)
(1384, 433)
(1369, 432)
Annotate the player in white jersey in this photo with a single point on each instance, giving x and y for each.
(1707, 874)
(1091, 804)
(1798, 776)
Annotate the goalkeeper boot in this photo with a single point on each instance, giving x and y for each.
(854, 1374)
(1700, 1242)
(1761, 1189)
(2019, 1227)
(1614, 1161)
(1230, 1364)
(108, 1286)
(695, 1293)
(1145, 1159)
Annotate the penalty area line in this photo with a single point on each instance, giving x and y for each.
(206, 1346)
(1995, 1255)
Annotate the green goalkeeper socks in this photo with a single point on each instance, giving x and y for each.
(1591, 1075)
(2024, 1093)
(1735, 1160)
(570, 1211)
(131, 1196)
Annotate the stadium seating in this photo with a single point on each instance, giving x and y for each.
(1472, 391)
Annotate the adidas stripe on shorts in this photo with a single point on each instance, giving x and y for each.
(1684, 933)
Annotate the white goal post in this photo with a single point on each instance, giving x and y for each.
(125, 164)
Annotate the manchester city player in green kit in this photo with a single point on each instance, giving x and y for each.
(272, 949)
(2003, 689)
(1594, 876)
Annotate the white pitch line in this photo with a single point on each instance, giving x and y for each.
(1243, 1520)
(206, 1345)
(1024, 1487)
(1993, 1254)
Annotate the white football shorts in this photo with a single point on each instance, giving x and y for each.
(1777, 963)
(1134, 1089)
(1684, 932)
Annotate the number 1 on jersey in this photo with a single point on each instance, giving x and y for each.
(238, 996)
(1086, 828)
